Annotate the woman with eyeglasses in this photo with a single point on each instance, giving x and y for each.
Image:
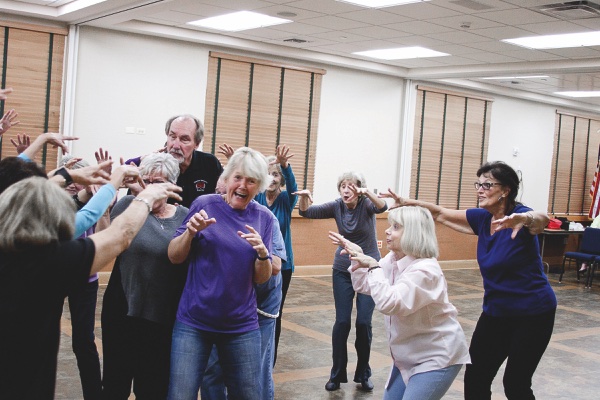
(142, 296)
(519, 304)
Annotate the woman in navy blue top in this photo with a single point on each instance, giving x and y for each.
(519, 304)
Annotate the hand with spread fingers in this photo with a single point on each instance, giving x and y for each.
(8, 121)
(199, 221)
(22, 143)
(398, 201)
(226, 150)
(283, 155)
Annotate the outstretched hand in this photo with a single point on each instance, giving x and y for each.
(398, 201)
(282, 156)
(8, 121)
(22, 143)
(508, 222)
(361, 260)
(304, 193)
(254, 239)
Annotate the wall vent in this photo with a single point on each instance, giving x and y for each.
(571, 10)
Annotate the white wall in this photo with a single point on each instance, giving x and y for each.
(126, 80)
(529, 127)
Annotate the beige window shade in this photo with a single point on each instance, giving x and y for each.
(262, 104)
(574, 160)
(32, 64)
(450, 144)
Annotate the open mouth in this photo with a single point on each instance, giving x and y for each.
(240, 195)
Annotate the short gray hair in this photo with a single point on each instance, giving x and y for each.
(418, 239)
(355, 177)
(198, 134)
(276, 165)
(35, 212)
(79, 164)
(251, 163)
(160, 163)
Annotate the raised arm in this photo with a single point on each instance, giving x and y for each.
(118, 236)
(305, 199)
(378, 202)
(455, 219)
(55, 139)
(534, 221)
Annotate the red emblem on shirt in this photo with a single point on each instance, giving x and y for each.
(200, 186)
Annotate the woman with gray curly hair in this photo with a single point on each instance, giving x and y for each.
(222, 237)
(354, 213)
(142, 295)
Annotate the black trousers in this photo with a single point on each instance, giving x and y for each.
(521, 341)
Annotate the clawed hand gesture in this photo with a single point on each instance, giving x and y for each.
(398, 201)
(226, 150)
(254, 239)
(304, 193)
(353, 250)
(199, 222)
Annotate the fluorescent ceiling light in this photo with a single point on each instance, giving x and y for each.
(401, 53)
(504, 78)
(582, 93)
(239, 21)
(380, 3)
(557, 41)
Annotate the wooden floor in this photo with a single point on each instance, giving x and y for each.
(569, 369)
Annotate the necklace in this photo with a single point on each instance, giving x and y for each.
(159, 220)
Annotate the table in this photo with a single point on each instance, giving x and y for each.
(554, 232)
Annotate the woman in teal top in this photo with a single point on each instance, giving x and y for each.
(282, 203)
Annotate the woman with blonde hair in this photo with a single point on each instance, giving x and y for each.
(427, 343)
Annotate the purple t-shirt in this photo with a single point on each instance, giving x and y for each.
(219, 293)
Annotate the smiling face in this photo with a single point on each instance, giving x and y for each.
(276, 177)
(393, 236)
(491, 199)
(181, 140)
(346, 193)
(240, 190)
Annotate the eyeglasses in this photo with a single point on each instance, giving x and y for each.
(485, 185)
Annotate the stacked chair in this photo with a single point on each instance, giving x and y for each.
(589, 252)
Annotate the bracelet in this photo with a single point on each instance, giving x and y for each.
(65, 174)
(145, 201)
(372, 268)
(265, 258)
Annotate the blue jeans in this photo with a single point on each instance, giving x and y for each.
(343, 295)
(213, 387)
(430, 385)
(82, 305)
(239, 356)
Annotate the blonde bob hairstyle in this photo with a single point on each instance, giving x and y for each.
(35, 212)
(355, 177)
(418, 239)
(251, 164)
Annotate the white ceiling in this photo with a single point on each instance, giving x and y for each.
(333, 30)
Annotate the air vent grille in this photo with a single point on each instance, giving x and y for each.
(571, 10)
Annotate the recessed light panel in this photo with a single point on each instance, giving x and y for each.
(380, 3)
(239, 21)
(557, 41)
(582, 93)
(401, 53)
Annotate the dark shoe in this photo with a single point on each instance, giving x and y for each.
(367, 385)
(330, 386)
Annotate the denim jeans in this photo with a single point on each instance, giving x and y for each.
(213, 386)
(82, 305)
(239, 356)
(430, 385)
(343, 295)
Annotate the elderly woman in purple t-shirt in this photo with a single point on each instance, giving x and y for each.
(222, 238)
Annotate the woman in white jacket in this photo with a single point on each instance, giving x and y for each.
(427, 343)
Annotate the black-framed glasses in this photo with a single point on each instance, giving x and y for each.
(150, 182)
(485, 185)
